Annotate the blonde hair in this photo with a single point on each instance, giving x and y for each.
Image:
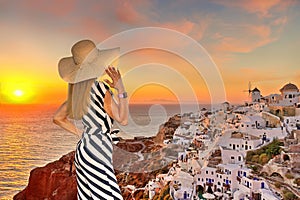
(79, 98)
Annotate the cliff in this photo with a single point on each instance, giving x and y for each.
(54, 181)
(57, 180)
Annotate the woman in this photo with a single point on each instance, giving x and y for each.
(92, 102)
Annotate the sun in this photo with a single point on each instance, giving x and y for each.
(18, 93)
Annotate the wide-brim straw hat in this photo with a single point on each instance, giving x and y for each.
(87, 62)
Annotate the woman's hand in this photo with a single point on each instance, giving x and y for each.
(119, 109)
(115, 76)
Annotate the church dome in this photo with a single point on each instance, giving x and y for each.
(289, 87)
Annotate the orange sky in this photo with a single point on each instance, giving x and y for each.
(253, 41)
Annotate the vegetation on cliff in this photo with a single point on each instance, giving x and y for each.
(265, 153)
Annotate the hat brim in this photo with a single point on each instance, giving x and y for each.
(70, 72)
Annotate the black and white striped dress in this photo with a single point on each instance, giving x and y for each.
(93, 159)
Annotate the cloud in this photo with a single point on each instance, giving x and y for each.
(126, 12)
(259, 7)
(250, 37)
(280, 21)
(55, 7)
(193, 29)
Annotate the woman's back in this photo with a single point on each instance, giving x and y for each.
(96, 116)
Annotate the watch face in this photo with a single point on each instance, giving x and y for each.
(123, 95)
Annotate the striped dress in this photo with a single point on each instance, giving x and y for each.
(93, 159)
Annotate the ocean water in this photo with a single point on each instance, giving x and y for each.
(29, 139)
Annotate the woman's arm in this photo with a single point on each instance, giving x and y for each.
(117, 110)
(61, 119)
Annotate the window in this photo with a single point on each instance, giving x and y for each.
(232, 157)
(290, 96)
(249, 147)
(230, 145)
(242, 125)
(198, 179)
(237, 145)
(206, 172)
(240, 158)
(212, 173)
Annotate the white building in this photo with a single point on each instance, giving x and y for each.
(250, 186)
(272, 98)
(242, 142)
(292, 121)
(289, 95)
(184, 140)
(255, 95)
(252, 122)
(231, 156)
(182, 186)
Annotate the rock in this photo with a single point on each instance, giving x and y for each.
(55, 181)
(167, 130)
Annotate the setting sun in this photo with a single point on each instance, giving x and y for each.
(18, 93)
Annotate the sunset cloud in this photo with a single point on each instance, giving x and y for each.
(127, 13)
(251, 38)
(259, 7)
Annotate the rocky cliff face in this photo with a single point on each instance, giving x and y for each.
(54, 181)
(57, 180)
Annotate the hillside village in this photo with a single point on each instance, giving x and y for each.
(236, 152)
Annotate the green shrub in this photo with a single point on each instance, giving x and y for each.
(255, 159)
(297, 181)
(263, 158)
(288, 195)
(289, 176)
(277, 185)
(265, 153)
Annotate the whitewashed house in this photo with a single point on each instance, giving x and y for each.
(230, 156)
(244, 143)
(252, 122)
(292, 121)
(182, 186)
(289, 95)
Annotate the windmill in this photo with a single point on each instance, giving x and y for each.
(249, 89)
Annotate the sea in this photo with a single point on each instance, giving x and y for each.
(29, 139)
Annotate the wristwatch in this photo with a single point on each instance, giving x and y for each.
(122, 95)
